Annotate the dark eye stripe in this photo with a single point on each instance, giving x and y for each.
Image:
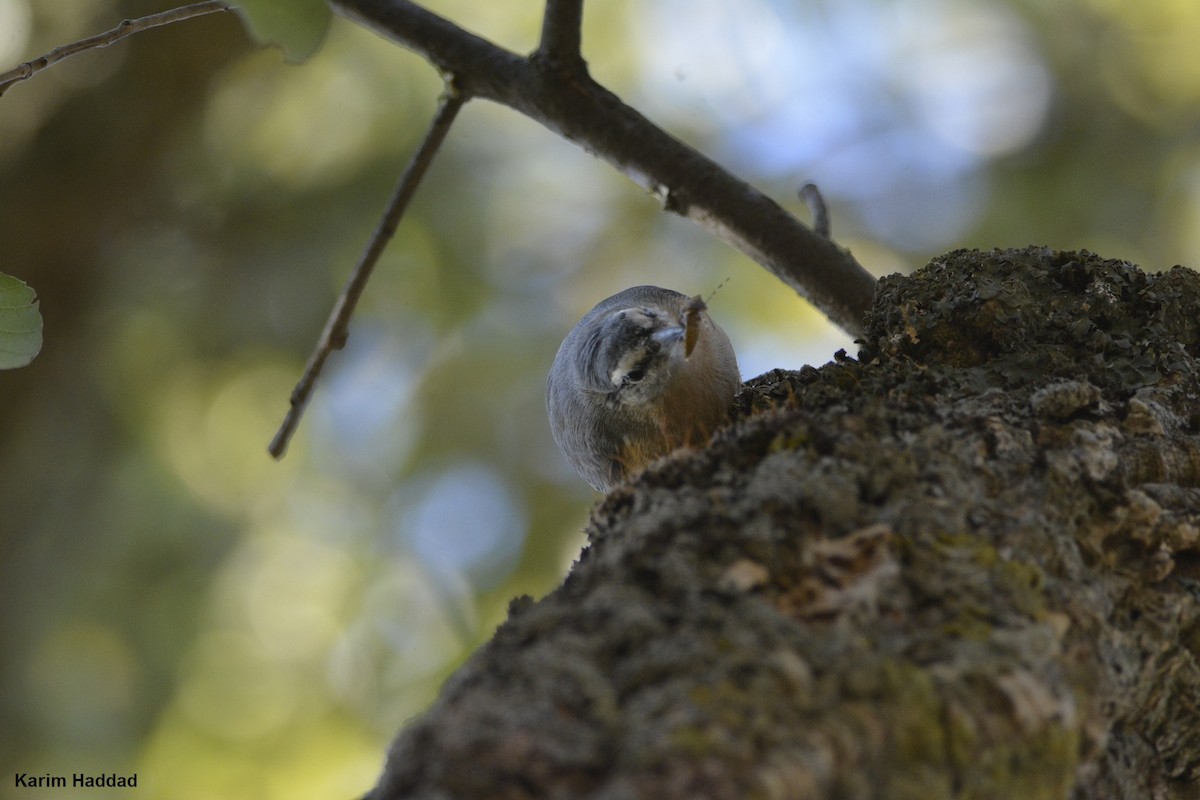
(638, 372)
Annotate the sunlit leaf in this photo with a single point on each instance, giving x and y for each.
(20, 323)
(298, 26)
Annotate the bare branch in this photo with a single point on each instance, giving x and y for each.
(812, 198)
(127, 27)
(562, 35)
(586, 113)
(336, 331)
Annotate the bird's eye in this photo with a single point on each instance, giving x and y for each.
(632, 367)
(634, 375)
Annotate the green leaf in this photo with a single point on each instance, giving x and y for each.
(20, 323)
(298, 26)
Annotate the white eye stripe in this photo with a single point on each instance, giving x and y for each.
(640, 317)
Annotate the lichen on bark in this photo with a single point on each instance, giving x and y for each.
(965, 563)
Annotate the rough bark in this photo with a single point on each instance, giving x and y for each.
(964, 564)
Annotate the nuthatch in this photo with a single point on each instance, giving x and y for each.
(644, 372)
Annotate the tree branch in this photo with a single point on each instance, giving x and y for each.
(337, 328)
(127, 27)
(586, 113)
(990, 591)
(562, 28)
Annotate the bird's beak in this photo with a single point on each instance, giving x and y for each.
(673, 340)
(668, 336)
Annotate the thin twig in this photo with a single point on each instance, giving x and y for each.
(584, 112)
(127, 28)
(337, 328)
(812, 198)
(562, 34)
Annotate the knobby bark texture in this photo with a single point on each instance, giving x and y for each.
(965, 564)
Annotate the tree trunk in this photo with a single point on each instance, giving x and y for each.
(966, 564)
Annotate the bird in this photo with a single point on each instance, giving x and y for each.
(645, 372)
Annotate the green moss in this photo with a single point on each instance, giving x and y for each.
(789, 441)
(962, 735)
(969, 565)
(919, 784)
(1023, 583)
(984, 751)
(961, 545)
(1031, 767)
(693, 742)
(970, 624)
(914, 712)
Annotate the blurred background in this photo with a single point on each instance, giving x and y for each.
(175, 603)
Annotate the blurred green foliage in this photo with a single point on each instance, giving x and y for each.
(296, 26)
(20, 323)
(174, 602)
